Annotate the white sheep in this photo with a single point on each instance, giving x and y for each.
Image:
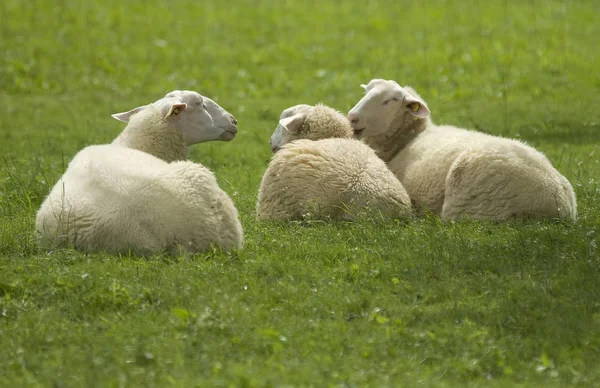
(116, 199)
(334, 178)
(456, 172)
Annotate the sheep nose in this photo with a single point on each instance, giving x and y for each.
(353, 117)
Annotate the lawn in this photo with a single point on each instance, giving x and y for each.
(417, 303)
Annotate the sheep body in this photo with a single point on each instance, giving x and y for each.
(456, 172)
(116, 199)
(331, 177)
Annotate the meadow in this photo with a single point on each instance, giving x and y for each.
(412, 303)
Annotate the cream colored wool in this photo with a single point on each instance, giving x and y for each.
(456, 172)
(331, 177)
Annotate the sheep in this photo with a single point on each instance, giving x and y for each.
(118, 199)
(330, 177)
(455, 172)
(159, 128)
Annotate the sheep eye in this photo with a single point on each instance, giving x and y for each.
(391, 99)
(204, 106)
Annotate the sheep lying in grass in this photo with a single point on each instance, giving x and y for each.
(335, 178)
(456, 172)
(117, 199)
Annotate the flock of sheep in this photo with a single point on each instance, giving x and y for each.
(385, 160)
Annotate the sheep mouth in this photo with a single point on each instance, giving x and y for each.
(228, 135)
(358, 132)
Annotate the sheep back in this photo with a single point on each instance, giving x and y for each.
(337, 179)
(456, 173)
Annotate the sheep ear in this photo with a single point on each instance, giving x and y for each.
(293, 123)
(125, 116)
(176, 109)
(364, 86)
(417, 108)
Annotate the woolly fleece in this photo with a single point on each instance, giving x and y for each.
(116, 199)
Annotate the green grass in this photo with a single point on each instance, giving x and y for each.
(419, 303)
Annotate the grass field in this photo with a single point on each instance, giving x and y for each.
(419, 303)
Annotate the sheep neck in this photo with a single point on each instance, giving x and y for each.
(147, 131)
(389, 144)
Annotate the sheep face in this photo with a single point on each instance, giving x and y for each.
(385, 105)
(290, 122)
(222, 119)
(200, 119)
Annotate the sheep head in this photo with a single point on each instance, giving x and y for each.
(290, 123)
(199, 118)
(385, 105)
(310, 122)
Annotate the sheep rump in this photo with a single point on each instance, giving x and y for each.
(460, 173)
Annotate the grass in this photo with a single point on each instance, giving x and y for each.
(415, 303)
